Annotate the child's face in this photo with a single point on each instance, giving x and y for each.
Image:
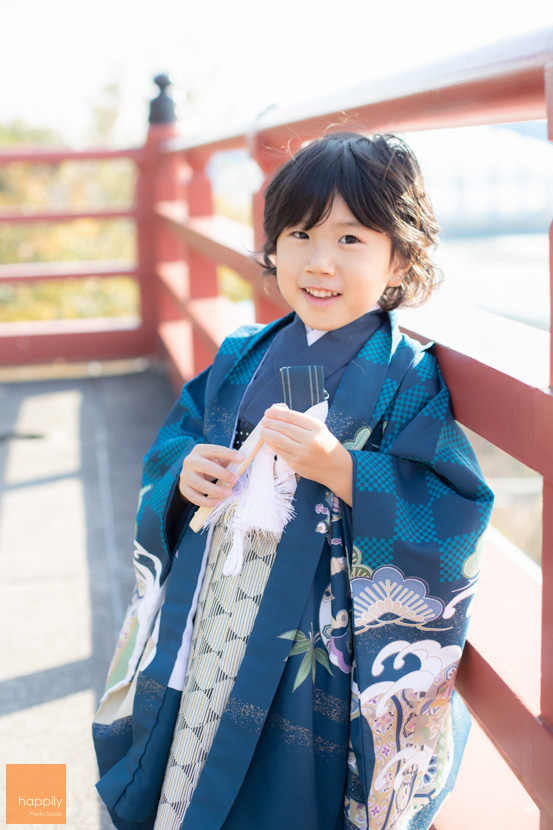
(336, 271)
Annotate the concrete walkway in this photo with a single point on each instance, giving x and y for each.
(70, 459)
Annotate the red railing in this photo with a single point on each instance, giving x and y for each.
(82, 339)
(507, 672)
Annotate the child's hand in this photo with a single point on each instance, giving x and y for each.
(201, 468)
(310, 449)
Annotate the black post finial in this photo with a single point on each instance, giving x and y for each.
(162, 107)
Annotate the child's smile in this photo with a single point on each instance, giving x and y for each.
(337, 270)
(320, 298)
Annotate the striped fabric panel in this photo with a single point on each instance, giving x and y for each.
(226, 613)
(302, 386)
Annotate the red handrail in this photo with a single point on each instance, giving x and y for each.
(39, 342)
(56, 156)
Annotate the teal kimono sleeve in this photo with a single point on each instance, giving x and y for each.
(420, 507)
(153, 552)
(181, 431)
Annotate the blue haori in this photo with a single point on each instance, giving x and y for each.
(343, 713)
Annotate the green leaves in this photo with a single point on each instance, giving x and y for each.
(300, 646)
(291, 635)
(311, 654)
(321, 655)
(304, 669)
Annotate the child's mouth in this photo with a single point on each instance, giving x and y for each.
(320, 296)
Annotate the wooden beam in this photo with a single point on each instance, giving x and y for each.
(38, 155)
(102, 338)
(499, 675)
(26, 215)
(487, 793)
(487, 371)
(218, 238)
(35, 271)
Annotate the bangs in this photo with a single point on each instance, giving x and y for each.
(303, 192)
(310, 190)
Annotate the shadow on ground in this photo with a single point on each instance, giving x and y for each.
(70, 466)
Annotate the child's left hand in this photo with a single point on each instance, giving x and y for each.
(310, 449)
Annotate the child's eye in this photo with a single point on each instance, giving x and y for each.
(300, 235)
(349, 239)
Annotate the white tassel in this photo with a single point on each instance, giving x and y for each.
(235, 556)
(260, 503)
(267, 508)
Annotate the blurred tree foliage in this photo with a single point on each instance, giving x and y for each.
(232, 285)
(104, 115)
(70, 298)
(67, 186)
(18, 132)
(76, 185)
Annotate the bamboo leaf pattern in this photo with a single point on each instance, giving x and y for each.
(304, 669)
(311, 654)
(300, 647)
(292, 635)
(321, 655)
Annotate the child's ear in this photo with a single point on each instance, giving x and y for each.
(400, 266)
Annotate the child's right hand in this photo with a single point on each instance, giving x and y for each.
(200, 470)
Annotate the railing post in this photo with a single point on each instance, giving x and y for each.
(158, 181)
(268, 159)
(546, 821)
(202, 271)
(547, 549)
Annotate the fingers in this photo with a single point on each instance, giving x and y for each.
(279, 438)
(304, 442)
(290, 416)
(210, 470)
(207, 486)
(211, 460)
(295, 426)
(279, 442)
(202, 492)
(204, 479)
(224, 455)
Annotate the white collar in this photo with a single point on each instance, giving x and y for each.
(313, 335)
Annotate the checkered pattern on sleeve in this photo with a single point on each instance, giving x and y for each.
(180, 432)
(423, 490)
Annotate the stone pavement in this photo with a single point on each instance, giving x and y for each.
(70, 459)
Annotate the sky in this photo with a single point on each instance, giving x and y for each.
(231, 60)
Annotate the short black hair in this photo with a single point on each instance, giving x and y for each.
(380, 181)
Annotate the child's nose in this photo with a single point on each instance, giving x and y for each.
(320, 261)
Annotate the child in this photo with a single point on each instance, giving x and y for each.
(314, 688)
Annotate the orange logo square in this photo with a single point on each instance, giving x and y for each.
(35, 794)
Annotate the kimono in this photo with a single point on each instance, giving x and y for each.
(343, 713)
